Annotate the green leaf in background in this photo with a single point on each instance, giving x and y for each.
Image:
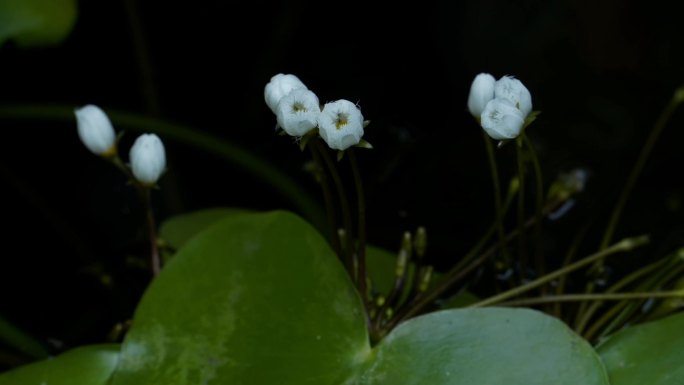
(36, 22)
(88, 365)
(484, 346)
(652, 353)
(178, 230)
(21, 341)
(253, 299)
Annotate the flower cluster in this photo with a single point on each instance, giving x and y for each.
(500, 106)
(147, 155)
(299, 112)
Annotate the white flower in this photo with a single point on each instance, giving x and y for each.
(279, 86)
(512, 89)
(340, 124)
(95, 130)
(501, 119)
(148, 159)
(481, 92)
(298, 112)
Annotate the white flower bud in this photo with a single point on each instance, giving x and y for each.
(95, 130)
(501, 119)
(148, 159)
(340, 124)
(279, 86)
(512, 89)
(298, 112)
(481, 92)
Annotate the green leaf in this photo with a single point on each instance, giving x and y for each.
(253, 299)
(88, 365)
(180, 229)
(484, 346)
(36, 22)
(652, 353)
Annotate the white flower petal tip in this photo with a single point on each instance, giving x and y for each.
(512, 89)
(502, 120)
(95, 130)
(148, 159)
(298, 112)
(340, 124)
(481, 92)
(279, 87)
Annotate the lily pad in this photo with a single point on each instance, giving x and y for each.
(253, 299)
(88, 365)
(652, 353)
(483, 346)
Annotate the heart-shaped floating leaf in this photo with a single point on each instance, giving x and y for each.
(262, 299)
(88, 365)
(36, 22)
(651, 353)
(483, 346)
(254, 299)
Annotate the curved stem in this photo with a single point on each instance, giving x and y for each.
(230, 152)
(624, 245)
(455, 274)
(638, 167)
(593, 297)
(632, 277)
(16, 338)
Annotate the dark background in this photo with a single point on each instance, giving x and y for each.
(600, 72)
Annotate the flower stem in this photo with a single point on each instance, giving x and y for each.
(155, 261)
(639, 166)
(540, 266)
(522, 252)
(624, 245)
(645, 153)
(497, 197)
(322, 179)
(650, 277)
(592, 297)
(458, 272)
(144, 193)
(348, 248)
(361, 226)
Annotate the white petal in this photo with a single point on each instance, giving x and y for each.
(340, 124)
(501, 119)
(148, 159)
(95, 129)
(481, 92)
(512, 89)
(279, 86)
(297, 112)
